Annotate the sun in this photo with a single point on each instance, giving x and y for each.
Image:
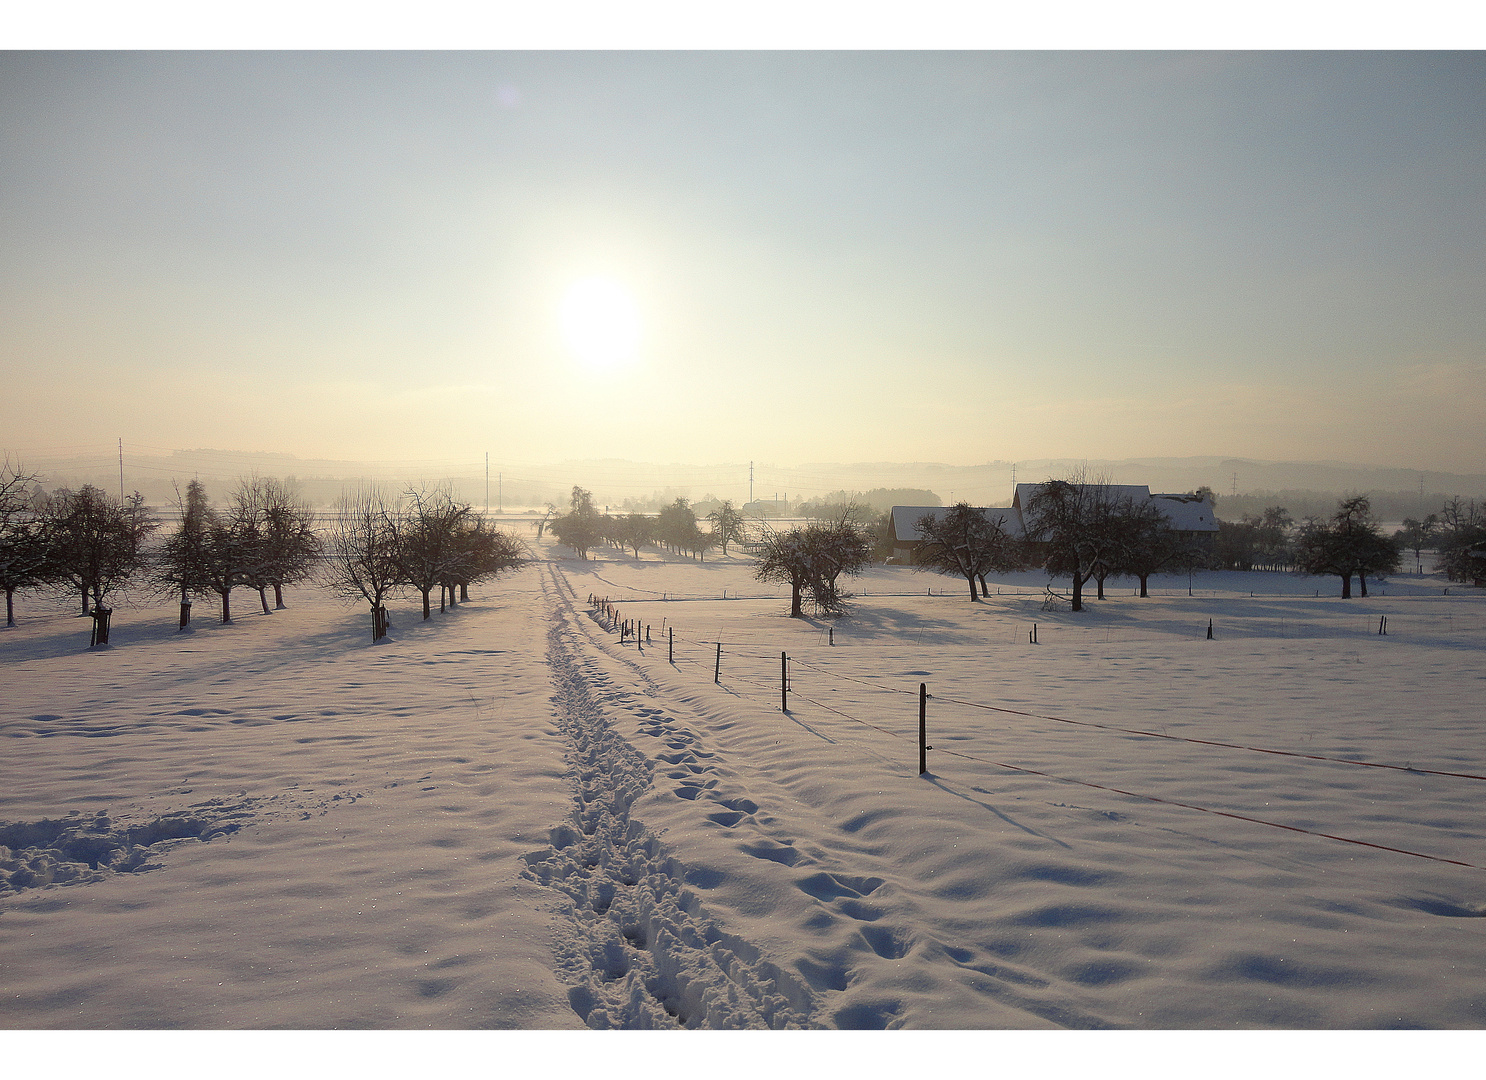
(600, 322)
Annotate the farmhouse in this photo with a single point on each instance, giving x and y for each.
(1192, 517)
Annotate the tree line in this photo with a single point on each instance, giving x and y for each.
(676, 528)
(265, 537)
(1088, 532)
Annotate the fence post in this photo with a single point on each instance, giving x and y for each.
(1209, 629)
(923, 730)
(783, 683)
(717, 671)
(833, 635)
(647, 633)
(671, 645)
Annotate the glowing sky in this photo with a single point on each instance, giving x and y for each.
(815, 256)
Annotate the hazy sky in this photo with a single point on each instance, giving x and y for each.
(710, 257)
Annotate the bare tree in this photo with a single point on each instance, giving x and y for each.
(362, 553)
(676, 527)
(728, 526)
(1346, 544)
(1072, 521)
(184, 561)
(634, 531)
(1462, 540)
(1417, 535)
(276, 533)
(291, 543)
(965, 541)
(812, 560)
(480, 553)
(838, 547)
(425, 549)
(582, 526)
(94, 545)
(22, 548)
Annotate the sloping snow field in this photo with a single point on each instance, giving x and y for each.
(508, 817)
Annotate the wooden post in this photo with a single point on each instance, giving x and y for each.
(671, 645)
(717, 671)
(833, 635)
(783, 683)
(1209, 629)
(923, 729)
(647, 633)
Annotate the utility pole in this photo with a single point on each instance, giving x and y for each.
(121, 471)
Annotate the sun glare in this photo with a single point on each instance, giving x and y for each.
(600, 322)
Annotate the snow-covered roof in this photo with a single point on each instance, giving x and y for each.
(906, 519)
(1188, 513)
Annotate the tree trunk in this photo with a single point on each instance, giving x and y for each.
(464, 592)
(185, 614)
(1078, 591)
(984, 592)
(794, 601)
(10, 606)
(226, 605)
(278, 594)
(1099, 580)
(974, 598)
(1346, 586)
(1362, 583)
(426, 608)
(1143, 579)
(443, 598)
(263, 598)
(84, 590)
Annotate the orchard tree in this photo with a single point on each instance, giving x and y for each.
(425, 548)
(1074, 523)
(838, 547)
(728, 526)
(481, 552)
(94, 546)
(1346, 544)
(1462, 540)
(291, 544)
(676, 527)
(183, 563)
(582, 527)
(1417, 535)
(634, 531)
(362, 553)
(965, 541)
(22, 548)
(812, 559)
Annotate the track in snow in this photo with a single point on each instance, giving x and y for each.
(638, 951)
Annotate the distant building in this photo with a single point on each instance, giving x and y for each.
(1192, 517)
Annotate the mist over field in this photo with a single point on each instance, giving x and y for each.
(1241, 485)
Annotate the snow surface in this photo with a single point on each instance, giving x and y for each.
(505, 817)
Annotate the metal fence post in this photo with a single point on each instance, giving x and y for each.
(923, 729)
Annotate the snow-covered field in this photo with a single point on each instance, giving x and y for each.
(505, 817)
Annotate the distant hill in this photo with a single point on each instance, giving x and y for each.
(1301, 486)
